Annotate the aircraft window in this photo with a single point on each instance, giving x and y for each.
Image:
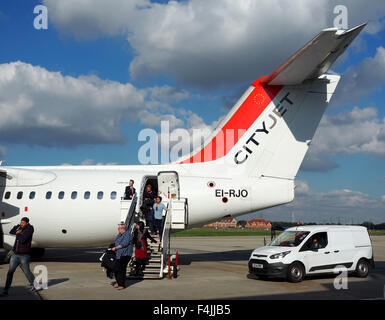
(100, 195)
(7, 195)
(87, 195)
(48, 195)
(19, 195)
(74, 195)
(113, 195)
(32, 195)
(61, 195)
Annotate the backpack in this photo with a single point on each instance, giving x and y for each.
(108, 259)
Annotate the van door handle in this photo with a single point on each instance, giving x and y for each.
(327, 252)
(336, 251)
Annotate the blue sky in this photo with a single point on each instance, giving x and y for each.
(186, 61)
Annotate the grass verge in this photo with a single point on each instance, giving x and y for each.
(206, 232)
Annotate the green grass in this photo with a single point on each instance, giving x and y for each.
(206, 232)
(377, 233)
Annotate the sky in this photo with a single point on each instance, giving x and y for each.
(80, 91)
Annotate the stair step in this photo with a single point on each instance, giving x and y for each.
(146, 272)
(154, 259)
(155, 271)
(145, 277)
(149, 266)
(152, 266)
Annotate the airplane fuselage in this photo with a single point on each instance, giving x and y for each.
(80, 206)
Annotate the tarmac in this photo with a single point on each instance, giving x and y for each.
(210, 268)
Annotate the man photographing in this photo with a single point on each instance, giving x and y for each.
(21, 256)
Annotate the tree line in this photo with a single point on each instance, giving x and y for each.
(284, 224)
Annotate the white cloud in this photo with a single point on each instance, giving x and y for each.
(46, 108)
(317, 162)
(92, 18)
(207, 43)
(188, 138)
(348, 132)
(362, 79)
(211, 43)
(355, 131)
(91, 162)
(152, 119)
(42, 107)
(301, 187)
(334, 206)
(168, 94)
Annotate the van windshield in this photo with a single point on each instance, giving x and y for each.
(289, 239)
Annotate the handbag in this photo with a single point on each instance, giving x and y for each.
(108, 259)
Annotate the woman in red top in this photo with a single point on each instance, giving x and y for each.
(140, 241)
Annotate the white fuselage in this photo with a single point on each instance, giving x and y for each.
(92, 222)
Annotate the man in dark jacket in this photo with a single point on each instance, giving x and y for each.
(21, 256)
(148, 202)
(130, 191)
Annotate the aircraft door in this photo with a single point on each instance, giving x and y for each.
(168, 185)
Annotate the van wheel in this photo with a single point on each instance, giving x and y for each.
(362, 269)
(295, 272)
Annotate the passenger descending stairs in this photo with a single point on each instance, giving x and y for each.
(153, 268)
(176, 219)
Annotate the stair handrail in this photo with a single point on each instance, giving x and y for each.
(166, 238)
(131, 213)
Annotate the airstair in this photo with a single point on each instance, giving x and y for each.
(158, 264)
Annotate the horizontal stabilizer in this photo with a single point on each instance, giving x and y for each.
(315, 58)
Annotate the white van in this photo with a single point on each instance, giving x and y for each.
(307, 250)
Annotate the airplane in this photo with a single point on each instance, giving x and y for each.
(249, 163)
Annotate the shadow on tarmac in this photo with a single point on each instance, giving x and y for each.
(20, 293)
(93, 255)
(370, 288)
(233, 255)
(56, 281)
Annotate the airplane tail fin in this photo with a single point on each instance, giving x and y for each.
(269, 130)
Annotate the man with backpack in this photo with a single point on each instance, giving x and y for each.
(123, 249)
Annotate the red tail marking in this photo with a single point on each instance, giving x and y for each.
(238, 124)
